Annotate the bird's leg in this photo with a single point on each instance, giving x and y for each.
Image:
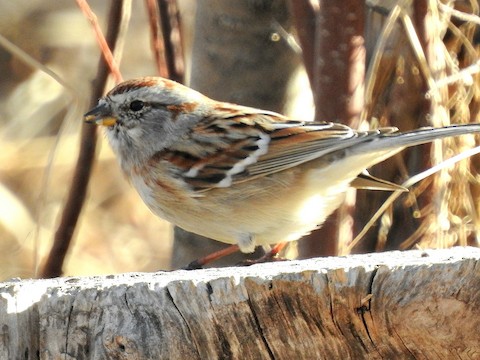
(268, 257)
(199, 263)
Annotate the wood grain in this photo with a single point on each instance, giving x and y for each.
(394, 305)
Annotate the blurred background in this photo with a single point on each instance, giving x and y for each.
(401, 63)
(40, 128)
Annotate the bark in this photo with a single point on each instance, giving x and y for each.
(396, 305)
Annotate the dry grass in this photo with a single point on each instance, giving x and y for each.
(444, 64)
(39, 126)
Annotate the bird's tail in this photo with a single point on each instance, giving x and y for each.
(417, 137)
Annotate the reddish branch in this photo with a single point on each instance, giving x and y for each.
(157, 39)
(63, 236)
(102, 42)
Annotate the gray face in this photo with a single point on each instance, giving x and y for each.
(143, 120)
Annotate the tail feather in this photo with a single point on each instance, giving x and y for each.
(416, 137)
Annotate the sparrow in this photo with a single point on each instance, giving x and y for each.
(237, 174)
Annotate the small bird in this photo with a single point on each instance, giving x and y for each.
(237, 174)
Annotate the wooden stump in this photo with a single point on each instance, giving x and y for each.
(394, 305)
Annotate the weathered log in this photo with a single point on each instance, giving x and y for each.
(394, 305)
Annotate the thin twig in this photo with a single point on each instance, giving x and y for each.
(156, 34)
(464, 75)
(121, 37)
(107, 53)
(76, 196)
(35, 64)
(375, 62)
(459, 14)
(170, 25)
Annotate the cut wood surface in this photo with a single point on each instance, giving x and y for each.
(393, 305)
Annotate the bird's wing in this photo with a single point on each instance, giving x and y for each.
(245, 143)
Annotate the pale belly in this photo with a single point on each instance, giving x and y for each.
(261, 212)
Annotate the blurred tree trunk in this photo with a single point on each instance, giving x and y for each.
(239, 55)
(331, 35)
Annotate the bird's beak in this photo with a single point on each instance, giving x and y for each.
(100, 115)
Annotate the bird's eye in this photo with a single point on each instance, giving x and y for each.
(136, 105)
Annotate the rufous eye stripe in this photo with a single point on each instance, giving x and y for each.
(187, 107)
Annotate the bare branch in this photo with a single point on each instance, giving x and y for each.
(76, 197)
